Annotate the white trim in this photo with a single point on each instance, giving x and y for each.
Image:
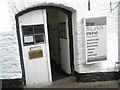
(47, 46)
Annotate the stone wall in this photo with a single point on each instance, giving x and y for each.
(10, 67)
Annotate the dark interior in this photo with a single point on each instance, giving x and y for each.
(57, 72)
(54, 36)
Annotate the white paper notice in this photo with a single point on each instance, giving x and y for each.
(28, 39)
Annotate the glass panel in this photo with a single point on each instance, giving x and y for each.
(27, 30)
(62, 28)
(33, 34)
(39, 29)
(39, 38)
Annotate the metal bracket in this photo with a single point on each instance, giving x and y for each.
(112, 9)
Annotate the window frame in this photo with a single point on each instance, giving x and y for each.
(33, 34)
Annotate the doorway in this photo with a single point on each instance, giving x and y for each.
(59, 23)
(58, 35)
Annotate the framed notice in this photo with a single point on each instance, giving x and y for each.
(95, 39)
(35, 54)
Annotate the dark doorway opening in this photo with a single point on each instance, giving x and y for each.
(57, 72)
(57, 22)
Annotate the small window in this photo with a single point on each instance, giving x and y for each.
(63, 31)
(33, 34)
(27, 30)
(39, 38)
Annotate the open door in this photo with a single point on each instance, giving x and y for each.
(64, 42)
(35, 47)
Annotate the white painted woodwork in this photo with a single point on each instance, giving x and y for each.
(36, 70)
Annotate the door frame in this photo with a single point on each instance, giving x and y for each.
(68, 13)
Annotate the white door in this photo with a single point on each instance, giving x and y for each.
(64, 42)
(34, 39)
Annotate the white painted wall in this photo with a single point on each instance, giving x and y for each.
(8, 42)
(100, 9)
(9, 55)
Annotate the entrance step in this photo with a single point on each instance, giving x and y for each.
(70, 82)
(70, 79)
(54, 83)
(100, 84)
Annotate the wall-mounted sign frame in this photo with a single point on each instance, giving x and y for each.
(95, 39)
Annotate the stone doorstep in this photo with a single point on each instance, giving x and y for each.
(71, 83)
(70, 79)
(100, 84)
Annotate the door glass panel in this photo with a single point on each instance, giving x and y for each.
(63, 31)
(27, 30)
(33, 34)
(39, 38)
(39, 29)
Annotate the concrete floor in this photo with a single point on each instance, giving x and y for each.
(70, 82)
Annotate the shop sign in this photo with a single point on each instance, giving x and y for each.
(95, 39)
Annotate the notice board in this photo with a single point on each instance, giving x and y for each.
(95, 39)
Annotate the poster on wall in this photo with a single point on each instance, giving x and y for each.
(95, 39)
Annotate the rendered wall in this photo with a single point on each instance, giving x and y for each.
(8, 40)
(100, 9)
(9, 56)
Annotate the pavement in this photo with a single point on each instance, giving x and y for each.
(70, 82)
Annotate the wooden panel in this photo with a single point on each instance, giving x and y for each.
(35, 54)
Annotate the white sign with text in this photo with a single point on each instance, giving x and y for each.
(95, 39)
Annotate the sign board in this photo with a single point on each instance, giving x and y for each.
(35, 54)
(95, 39)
